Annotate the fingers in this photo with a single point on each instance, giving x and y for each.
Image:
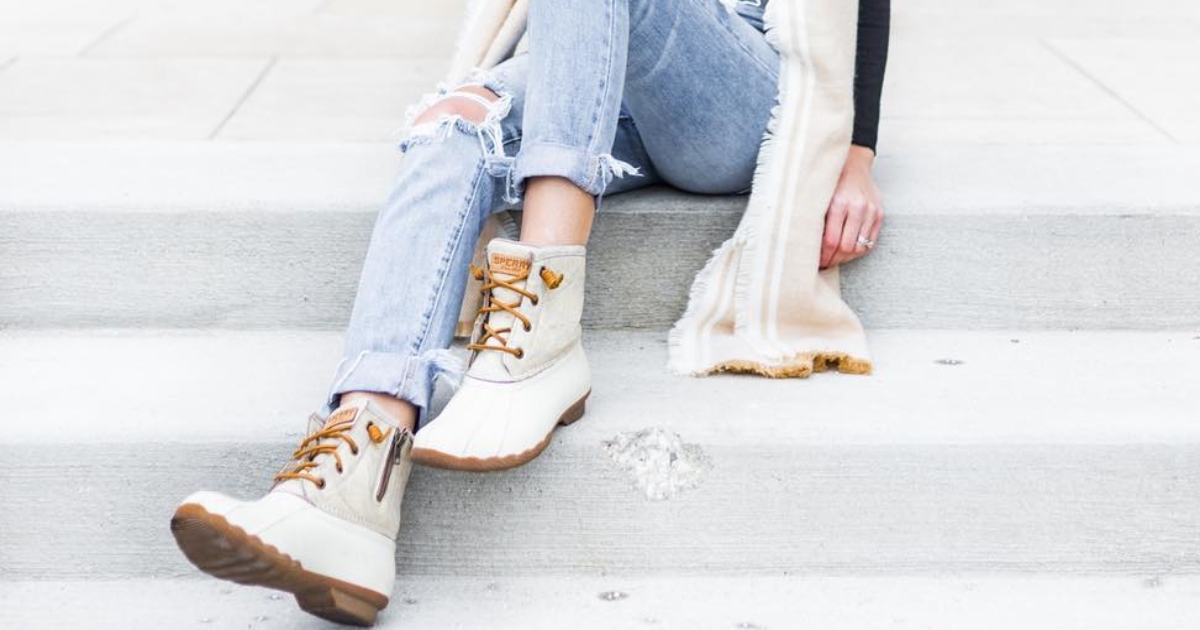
(855, 213)
(861, 219)
(877, 226)
(866, 231)
(835, 221)
(847, 248)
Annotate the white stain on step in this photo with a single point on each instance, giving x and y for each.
(661, 463)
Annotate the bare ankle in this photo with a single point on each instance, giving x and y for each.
(402, 411)
(557, 212)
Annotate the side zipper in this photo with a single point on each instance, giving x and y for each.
(399, 438)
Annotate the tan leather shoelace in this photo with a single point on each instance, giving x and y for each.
(493, 305)
(325, 441)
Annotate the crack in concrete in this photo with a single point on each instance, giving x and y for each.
(244, 97)
(1107, 90)
(86, 51)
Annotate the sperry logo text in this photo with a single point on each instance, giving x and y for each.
(510, 265)
(340, 416)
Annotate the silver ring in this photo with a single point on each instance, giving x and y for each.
(865, 242)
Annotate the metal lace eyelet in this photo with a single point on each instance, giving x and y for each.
(528, 327)
(320, 484)
(520, 353)
(534, 300)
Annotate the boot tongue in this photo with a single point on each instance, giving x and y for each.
(506, 260)
(509, 257)
(362, 411)
(342, 414)
(302, 487)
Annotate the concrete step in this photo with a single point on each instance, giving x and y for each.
(256, 235)
(504, 603)
(1010, 452)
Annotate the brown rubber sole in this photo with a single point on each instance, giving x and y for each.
(226, 551)
(438, 459)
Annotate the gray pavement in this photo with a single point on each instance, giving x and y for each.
(503, 603)
(1040, 456)
(1023, 72)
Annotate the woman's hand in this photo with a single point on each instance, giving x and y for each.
(856, 210)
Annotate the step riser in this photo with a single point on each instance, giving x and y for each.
(763, 510)
(300, 270)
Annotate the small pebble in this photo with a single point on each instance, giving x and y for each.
(948, 362)
(410, 600)
(613, 596)
(262, 618)
(1015, 340)
(206, 620)
(746, 625)
(1153, 582)
(274, 597)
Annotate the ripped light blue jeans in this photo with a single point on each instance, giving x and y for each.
(612, 95)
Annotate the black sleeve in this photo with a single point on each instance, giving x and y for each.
(874, 26)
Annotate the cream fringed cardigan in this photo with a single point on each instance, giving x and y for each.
(760, 305)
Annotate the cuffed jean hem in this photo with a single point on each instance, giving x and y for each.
(406, 377)
(591, 173)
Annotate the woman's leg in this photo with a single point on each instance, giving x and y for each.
(701, 81)
(529, 373)
(335, 509)
(457, 171)
(698, 79)
(472, 103)
(573, 104)
(413, 277)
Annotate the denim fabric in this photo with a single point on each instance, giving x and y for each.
(612, 95)
(752, 11)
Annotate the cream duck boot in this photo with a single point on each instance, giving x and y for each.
(326, 532)
(528, 373)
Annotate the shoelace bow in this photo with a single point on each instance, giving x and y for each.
(326, 441)
(493, 305)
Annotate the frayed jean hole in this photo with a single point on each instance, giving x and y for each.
(502, 167)
(488, 80)
(499, 166)
(494, 107)
(452, 104)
